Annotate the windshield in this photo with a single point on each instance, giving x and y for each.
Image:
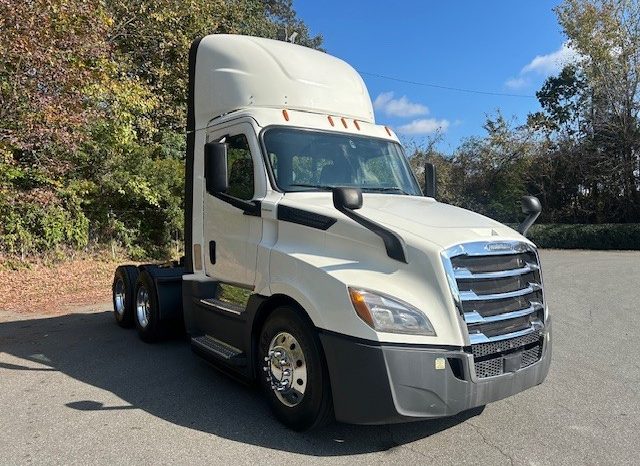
(304, 160)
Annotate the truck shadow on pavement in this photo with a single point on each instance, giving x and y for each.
(168, 381)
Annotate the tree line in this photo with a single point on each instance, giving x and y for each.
(580, 153)
(93, 112)
(93, 104)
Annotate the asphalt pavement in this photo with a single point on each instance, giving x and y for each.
(77, 389)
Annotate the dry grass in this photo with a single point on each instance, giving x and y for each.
(58, 287)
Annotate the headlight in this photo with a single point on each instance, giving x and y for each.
(387, 314)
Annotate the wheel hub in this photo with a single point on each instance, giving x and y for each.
(119, 295)
(286, 369)
(143, 307)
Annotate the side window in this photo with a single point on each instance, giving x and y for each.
(240, 167)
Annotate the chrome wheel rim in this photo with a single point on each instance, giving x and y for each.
(286, 369)
(118, 297)
(143, 307)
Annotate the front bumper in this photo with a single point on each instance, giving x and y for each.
(379, 384)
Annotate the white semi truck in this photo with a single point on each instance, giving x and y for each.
(315, 266)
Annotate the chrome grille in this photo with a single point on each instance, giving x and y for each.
(531, 356)
(489, 368)
(497, 286)
(502, 346)
(495, 365)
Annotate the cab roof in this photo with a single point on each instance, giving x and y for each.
(235, 72)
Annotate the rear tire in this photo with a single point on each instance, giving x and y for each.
(146, 311)
(290, 358)
(123, 292)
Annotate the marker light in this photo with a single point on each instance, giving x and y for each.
(386, 314)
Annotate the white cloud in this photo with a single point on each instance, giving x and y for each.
(424, 126)
(401, 107)
(552, 63)
(544, 65)
(517, 83)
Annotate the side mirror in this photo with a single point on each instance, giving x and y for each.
(347, 198)
(430, 180)
(215, 167)
(532, 207)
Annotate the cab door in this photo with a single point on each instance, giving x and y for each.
(232, 230)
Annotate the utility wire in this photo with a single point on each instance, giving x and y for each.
(448, 88)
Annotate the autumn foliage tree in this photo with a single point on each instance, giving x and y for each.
(49, 52)
(92, 115)
(93, 104)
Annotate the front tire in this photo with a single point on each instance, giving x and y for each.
(123, 292)
(293, 372)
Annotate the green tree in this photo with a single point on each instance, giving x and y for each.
(49, 51)
(590, 114)
(154, 37)
(492, 173)
(93, 111)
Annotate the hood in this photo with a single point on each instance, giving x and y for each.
(439, 223)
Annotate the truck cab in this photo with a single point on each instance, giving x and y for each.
(314, 265)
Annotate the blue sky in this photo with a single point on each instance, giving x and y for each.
(498, 46)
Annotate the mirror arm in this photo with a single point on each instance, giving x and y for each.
(393, 244)
(532, 207)
(253, 208)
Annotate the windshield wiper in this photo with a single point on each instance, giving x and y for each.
(376, 189)
(319, 187)
(385, 189)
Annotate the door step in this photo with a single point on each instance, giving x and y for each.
(220, 350)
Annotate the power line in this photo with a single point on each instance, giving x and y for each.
(448, 88)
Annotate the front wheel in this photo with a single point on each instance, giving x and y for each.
(293, 372)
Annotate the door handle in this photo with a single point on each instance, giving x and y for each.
(212, 251)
